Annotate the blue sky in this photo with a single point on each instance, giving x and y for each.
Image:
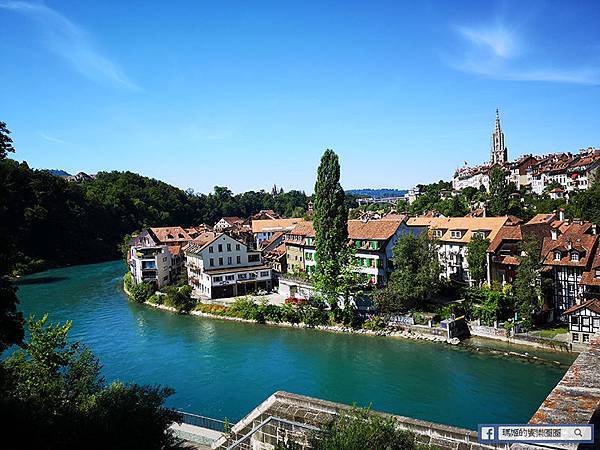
(248, 94)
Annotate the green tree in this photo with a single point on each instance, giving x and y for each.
(359, 429)
(477, 258)
(416, 274)
(11, 321)
(5, 141)
(331, 225)
(53, 397)
(527, 284)
(499, 192)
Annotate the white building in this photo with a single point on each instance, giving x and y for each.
(220, 266)
(264, 229)
(452, 235)
(151, 261)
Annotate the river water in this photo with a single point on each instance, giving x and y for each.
(224, 369)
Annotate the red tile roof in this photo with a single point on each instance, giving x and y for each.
(166, 235)
(592, 305)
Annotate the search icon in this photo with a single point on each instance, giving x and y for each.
(577, 432)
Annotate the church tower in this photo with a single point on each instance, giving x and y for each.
(499, 151)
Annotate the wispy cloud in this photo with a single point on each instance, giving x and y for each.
(52, 139)
(71, 42)
(497, 51)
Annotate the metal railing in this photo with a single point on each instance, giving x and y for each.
(287, 426)
(202, 421)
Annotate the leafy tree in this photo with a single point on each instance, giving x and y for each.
(140, 292)
(359, 429)
(53, 397)
(499, 192)
(5, 141)
(527, 288)
(476, 258)
(331, 225)
(416, 274)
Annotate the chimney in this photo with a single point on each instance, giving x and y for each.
(554, 234)
(594, 229)
(569, 245)
(561, 214)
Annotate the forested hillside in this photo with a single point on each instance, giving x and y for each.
(51, 221)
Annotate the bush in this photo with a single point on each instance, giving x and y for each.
(243, 308)
(140, 293)
(360, 429)
(289, 314)
(375, 323)
(179, 298)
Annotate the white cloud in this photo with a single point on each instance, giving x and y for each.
(52, 139)
(71, 42)
(497, 52)
(498, 39)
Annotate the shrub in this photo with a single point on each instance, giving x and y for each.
(359, 428)
(179, 298)
(375, 323)
(289, 314)
(245, 308)
(140, 293)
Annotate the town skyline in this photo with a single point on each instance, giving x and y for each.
(299, 81)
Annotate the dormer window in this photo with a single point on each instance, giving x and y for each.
(557, 256)
(575, 256)
(597, 273)
(456, 234)
(438, 233)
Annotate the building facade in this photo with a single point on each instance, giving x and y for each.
(584, 321)
(220, 266)
(452, 235)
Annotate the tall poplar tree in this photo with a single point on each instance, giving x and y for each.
(331, 226)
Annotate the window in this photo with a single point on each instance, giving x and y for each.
(264, 274)
(557, 256)
(211, 262)
(217, 279)
(230, 277)
(229, 260)
(220, 261)
(597, 273)
(586, 338)
(575, 337)
(220, 248)
(437, 233)
(574, 320)
(253, 258)
(239, 259)
(596, 322)
(585, 321)
(237, 247)
(574, 256)
(211, 249)
(456, 234)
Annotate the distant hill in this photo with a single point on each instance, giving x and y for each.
(377, 193)
(59, 172)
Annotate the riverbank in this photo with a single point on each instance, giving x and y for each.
(222, 368)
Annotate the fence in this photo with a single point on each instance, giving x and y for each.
(276, 431)
(202, 421)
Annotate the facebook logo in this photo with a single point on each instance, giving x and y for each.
(487, 433)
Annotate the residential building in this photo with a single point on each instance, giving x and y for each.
(264, 229)
(567, 254)
(277, 259)
(220, 266)
(265, 214)
(227, 222)
(583, 320)
(155, 255)
(505, 250)
(452, 235)
(373, 242)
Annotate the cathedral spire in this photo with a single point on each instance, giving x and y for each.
(499, 153)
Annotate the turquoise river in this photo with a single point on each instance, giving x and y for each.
(224, 369)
